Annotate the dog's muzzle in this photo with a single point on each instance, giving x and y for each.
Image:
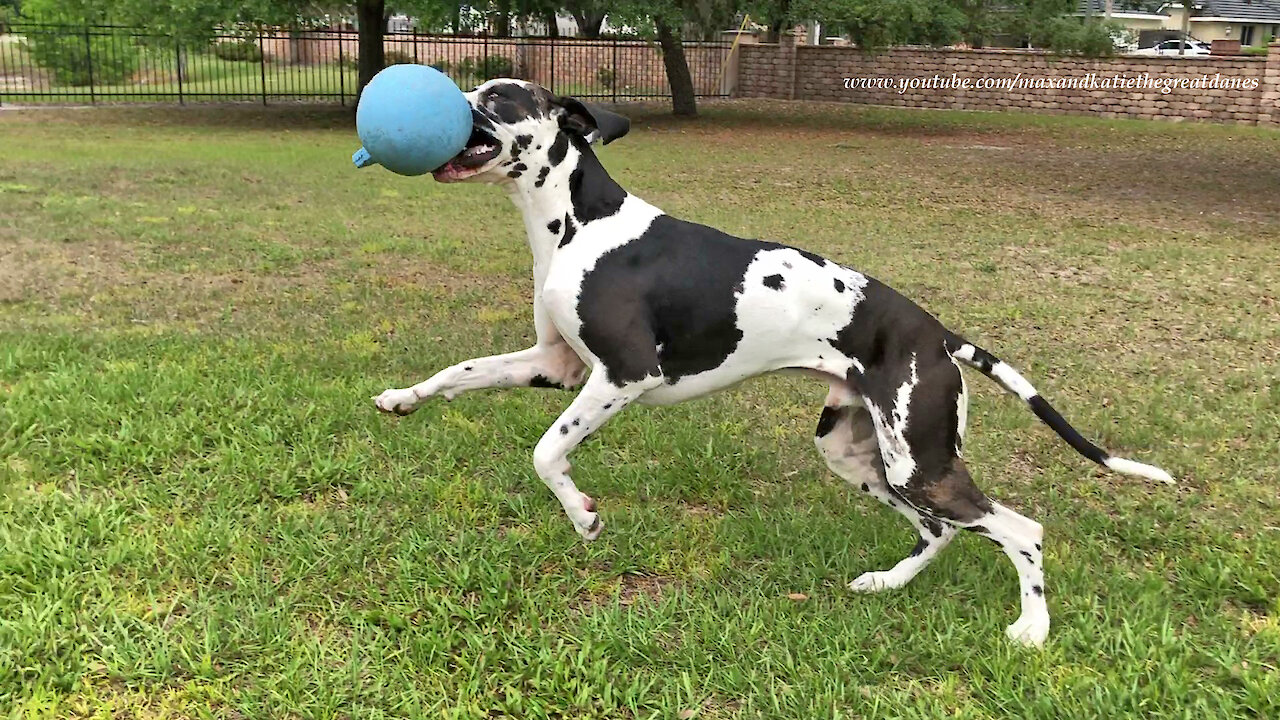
(481, 149)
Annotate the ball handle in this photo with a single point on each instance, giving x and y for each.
(362, 158)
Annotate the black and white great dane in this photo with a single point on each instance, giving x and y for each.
(647, 308)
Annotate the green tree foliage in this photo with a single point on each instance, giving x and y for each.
(1047, 24)
(879, 23)
(100, 57)
(9, 11)
(1044, 24)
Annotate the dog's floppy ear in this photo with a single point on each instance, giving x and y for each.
(591, 121)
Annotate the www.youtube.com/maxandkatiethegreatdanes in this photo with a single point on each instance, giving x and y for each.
(1087, 81)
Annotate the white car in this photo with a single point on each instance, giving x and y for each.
(1171, 47)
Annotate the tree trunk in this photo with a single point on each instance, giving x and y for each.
(589, 23)
(502, 21)
(371, 14)
(683, 102)
(553, 30)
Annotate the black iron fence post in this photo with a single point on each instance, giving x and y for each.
(262, 64)
(88, 61)
(613, 78)
(342, 75)
(177, 56)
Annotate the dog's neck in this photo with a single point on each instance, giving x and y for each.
(568, 194)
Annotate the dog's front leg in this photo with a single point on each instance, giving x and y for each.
(599, 400)
(553, 365)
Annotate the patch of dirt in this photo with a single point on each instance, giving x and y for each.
(701, 510)
(626, 590)
(45, 270)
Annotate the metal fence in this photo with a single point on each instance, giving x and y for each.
(99, 64)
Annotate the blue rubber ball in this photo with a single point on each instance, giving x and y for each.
(412, 119)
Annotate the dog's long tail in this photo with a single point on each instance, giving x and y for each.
(1011, 380)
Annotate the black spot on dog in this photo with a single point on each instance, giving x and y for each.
(866, 487)
(672, 285)
(512, 103)
(466, 367)
(540, 381)
(520, 167)
(774, 282)
(813, 257)
(522, 141)
(559, 149)
(575, 422)
(1037, 547)
(569, 231)
(1025, 554)
(921, 544)
(839, 285)
(514, 174)
(1037, 590)
(564, 429)
(608, 405)
(542, 176)
(786, 265)
(932, 525)
(554, 227)
(593, 193)
(980, 529)
(827, 422)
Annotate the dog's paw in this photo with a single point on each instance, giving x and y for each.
(398, 401)
(592, 529)
(1029, 630)
(875, 581)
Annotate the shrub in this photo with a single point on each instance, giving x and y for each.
(485, 68)
(397, 57)
(607, 77)
(1092, 38)
(441, 65)
(103, 59)
(238, 51)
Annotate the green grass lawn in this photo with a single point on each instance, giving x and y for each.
(202, 514)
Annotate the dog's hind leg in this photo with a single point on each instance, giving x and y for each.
(923, 467)
(846, 438)
(954, 496)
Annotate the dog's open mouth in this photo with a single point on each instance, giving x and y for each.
(480, 150)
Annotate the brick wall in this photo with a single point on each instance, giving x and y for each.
(809, 72)
(634, 67)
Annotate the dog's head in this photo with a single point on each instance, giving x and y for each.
(514, 121)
